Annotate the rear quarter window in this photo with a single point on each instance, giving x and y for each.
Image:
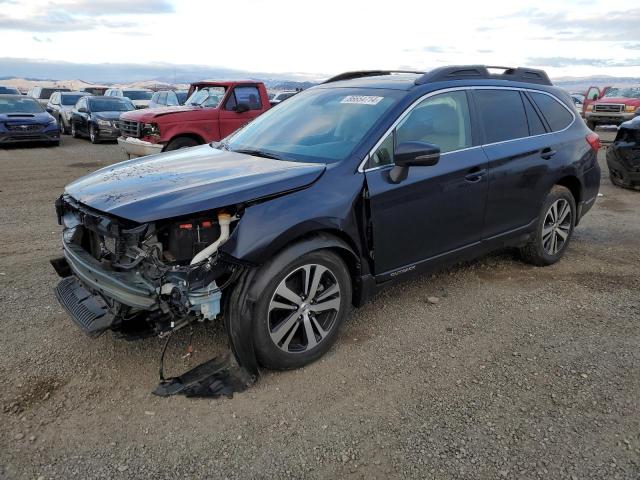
(557, 116)
(502, 115)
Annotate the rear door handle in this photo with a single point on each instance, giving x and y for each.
(547, 153)
(475, 174)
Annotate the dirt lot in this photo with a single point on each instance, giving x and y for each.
(516, 372)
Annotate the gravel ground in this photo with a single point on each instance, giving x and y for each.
(511, 371)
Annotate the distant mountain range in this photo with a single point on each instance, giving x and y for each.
(580, 84)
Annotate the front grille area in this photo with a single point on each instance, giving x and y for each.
(608, 108)
(129, 128)
(24, 127)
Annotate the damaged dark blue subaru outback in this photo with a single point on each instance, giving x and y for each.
(321, 202)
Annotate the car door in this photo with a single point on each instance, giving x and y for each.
(230, 118)
(435, 210)
(519, 159)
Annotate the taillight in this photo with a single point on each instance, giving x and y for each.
(594, 141)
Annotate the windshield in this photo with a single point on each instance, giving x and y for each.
(19, 105)
(111, 105)
(137, 94)
(206, 97)
(633, 92)
(71, 99)
(317, 125)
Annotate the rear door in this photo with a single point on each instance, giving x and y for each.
(230, 119)
(436, 209)
(519, 154)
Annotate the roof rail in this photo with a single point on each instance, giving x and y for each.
(466, 72)
(366, 73)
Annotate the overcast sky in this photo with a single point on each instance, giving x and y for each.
(285, 37)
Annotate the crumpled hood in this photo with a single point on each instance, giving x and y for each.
(149, 114)
(22, 118)
(188, 181)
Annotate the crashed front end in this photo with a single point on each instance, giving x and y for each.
(623, 155)
(140, 279)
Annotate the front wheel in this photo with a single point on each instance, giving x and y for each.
(94, 134)
(74, 130)
(301, 309)
(554, 228)
(181, 142)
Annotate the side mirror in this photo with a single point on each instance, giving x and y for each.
(82, 110)
(242, 107)
(594, 96)
(412, 154)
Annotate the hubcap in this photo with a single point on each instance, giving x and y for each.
(556, 227)
(304, 308)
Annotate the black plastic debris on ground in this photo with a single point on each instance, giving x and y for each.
(220, 376)
(229, 373)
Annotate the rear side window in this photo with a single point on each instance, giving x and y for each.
(536, 127)
(502, 115)
(557, 116)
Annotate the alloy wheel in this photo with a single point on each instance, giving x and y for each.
(557, 226)
(304, 308)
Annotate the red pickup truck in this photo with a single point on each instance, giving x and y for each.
(212, 111)
(616, 106)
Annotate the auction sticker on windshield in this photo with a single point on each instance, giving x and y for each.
(362, 99)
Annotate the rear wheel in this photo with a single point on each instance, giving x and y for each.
(554, 228)
(181, 142)
(300, 311)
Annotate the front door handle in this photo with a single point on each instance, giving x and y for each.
(475, 174)
(547, 153)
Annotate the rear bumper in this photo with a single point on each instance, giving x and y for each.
(135, 147)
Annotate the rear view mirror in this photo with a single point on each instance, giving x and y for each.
(412, 154)
(242, 107)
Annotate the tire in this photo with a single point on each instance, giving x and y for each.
(64, 130)
(74, 131)
(283, 324)
(181, 142)
(592, 125)
(551, 227)
(94, 134)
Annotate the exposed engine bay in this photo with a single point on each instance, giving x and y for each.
(150, 278)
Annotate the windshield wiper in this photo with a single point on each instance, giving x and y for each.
(258, 153)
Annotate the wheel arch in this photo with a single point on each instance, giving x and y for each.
(573, 184)
(326, 239)
(191, 135)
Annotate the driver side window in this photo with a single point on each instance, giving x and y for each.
(442, 120)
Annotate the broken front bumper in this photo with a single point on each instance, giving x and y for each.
(134, 147)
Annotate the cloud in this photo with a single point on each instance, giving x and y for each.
(570, 62)
(606, 26)
(115, 7)
(58, 22)
(81, 15)
(41, 39)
